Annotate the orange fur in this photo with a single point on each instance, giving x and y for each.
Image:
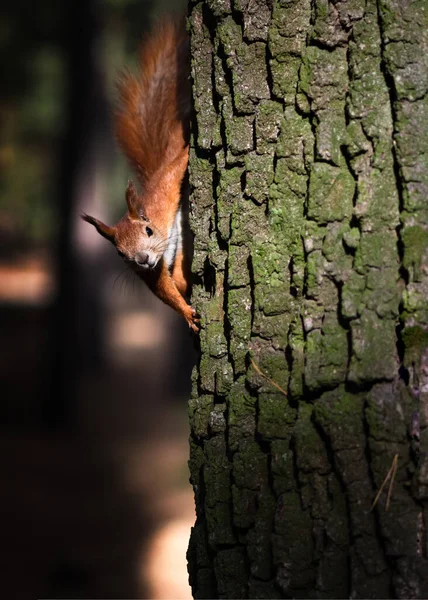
(152, 128)
(152, 123)
(179, 273)
(162, 284)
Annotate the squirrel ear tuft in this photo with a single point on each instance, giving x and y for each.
(104, 230)
(132, 200)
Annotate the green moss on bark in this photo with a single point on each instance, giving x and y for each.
(308, 178)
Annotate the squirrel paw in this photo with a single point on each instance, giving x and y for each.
(192, 319)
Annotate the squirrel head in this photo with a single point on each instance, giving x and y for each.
(136, 239)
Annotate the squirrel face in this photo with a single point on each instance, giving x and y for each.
(139, 243)
(136, 239)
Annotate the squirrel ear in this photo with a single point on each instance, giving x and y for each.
(104, 230)
(132, 200)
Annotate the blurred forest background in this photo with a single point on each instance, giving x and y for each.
(95, 371)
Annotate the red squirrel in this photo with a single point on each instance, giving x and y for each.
(152, 128)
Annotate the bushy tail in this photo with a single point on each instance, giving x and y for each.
(152, 121)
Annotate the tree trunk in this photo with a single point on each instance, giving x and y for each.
(309, 179)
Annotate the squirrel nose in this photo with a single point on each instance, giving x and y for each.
(142, 259)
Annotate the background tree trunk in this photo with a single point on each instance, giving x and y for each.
(309, 182)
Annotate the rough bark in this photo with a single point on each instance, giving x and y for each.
(309, 176)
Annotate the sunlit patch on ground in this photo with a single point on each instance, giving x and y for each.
(157, 472)
(27, 282)
(164, 565)
(134, 330)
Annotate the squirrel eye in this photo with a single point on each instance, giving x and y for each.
(149, 231)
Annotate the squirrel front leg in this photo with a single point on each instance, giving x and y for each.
(180, 273)
(163, 286)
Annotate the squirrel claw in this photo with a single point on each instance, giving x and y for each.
(193, 320)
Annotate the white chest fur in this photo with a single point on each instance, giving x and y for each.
(175, 242)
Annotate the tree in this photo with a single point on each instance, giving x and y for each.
(309, 180)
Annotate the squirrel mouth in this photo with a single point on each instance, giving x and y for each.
(146, 267)
(145, 261)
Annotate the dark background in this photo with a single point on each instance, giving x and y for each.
(94, 370)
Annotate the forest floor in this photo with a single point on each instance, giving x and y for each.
(103, 510)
